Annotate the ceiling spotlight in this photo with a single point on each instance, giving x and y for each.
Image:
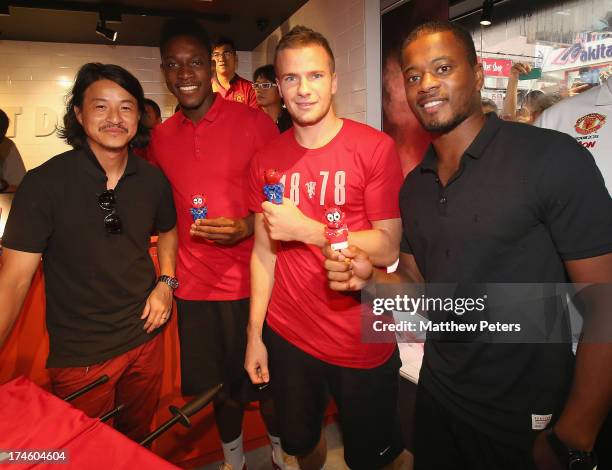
(106, 32)
(487, 13)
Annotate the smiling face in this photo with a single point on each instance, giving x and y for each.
(442, 86)
(109, 116)
(306, 83)
(187, 69)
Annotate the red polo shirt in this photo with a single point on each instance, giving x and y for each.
(211, 158)
(240, 90)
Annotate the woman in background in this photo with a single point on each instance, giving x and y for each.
(268, 97)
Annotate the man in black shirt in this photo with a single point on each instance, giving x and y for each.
(496, 202)
(90, 213)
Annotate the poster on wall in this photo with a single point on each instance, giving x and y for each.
(398, 120)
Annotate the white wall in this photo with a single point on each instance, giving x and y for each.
(343, 23)
(35, 77)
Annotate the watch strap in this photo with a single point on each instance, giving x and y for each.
(573, 459)
(170, 281)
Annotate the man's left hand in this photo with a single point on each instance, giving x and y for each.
(222, 230)
(158, 307)
(543, 455)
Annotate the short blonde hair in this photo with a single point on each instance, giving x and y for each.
(301, 36)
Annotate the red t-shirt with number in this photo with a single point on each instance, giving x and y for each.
(358, 170)
(211, 158)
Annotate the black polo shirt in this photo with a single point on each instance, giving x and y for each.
(524, 201)
(96, 283)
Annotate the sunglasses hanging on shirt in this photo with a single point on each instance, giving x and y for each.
(107, 202)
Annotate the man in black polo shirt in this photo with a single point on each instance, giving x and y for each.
(496, 202)
(90, 212)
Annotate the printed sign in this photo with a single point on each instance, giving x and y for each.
(496, 67)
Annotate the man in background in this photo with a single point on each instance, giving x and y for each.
(226, 82)
(150, 119)
(152, 116)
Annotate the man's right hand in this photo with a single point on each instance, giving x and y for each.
(519, 69)
(223, 230)
(256, 361)
(347, 270)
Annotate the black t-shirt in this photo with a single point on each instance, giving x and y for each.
(524, 201)
(96, 283)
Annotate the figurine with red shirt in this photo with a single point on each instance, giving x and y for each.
(273, 189)
(336, 231)
(199, 210)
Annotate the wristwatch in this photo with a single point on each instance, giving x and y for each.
(574, 459)
(172, 282)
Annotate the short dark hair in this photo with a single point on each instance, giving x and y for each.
(154, 105)
(72, 131)
(431, 27)
(224, 41)
(301, 36)
(265, 71)
(4, 124)
(184, 27)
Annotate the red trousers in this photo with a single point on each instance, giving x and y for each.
(134, 381)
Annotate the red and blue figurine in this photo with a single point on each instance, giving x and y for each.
(199, 210)
(273, 189)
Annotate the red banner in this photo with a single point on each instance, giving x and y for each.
(496, 67)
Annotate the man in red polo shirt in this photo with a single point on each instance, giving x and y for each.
(205, 150)
(226, 81)
(313, 334)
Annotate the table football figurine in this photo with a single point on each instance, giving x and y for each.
(199, 209)
(336, 231)
(273, 189)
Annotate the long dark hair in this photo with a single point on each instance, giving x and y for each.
(72, 131)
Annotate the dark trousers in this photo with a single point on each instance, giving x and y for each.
(442, 442)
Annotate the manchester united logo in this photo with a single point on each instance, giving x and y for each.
(590, 123)
(239, 98)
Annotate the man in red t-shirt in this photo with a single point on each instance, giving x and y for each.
(205, 150)
(226, 81)
(313, 334)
